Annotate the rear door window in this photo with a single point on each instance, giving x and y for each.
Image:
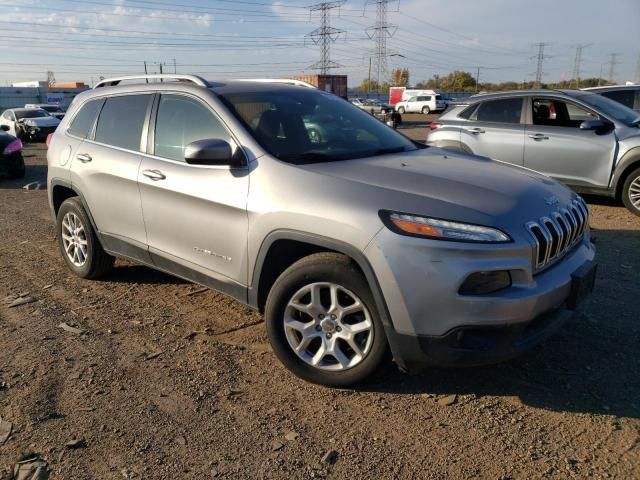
(505, 110)
(85, 118)
(121, 121)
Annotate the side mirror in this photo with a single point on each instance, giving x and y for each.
(211, 151)
(598, 126)
(5, 128)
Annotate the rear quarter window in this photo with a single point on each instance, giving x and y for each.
(85, 118)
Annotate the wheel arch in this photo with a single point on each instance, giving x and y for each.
(282, 248)
(62, 190)
(629, 162)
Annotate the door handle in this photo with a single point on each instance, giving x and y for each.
(154, 175)
(475, 130)
(539, 136)
(84, 157)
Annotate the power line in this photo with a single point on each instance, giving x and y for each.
(379, 34)
(325, 35)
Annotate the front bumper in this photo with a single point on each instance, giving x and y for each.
(474, 345)
(431, 323)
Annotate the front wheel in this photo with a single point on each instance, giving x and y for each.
(322, 321)
(400, 110)
(426, 110)
(631, 192)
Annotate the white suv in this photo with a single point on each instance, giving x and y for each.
(422, 104)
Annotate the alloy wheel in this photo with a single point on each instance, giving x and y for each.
(634, 192)
(74, 239)
(328, 326)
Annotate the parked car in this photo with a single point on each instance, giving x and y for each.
(11, 161)
(29, 124)
(585, 140)
(372, 105)
(53, 110)
(422, 104)
(627, 95)
(365, 242)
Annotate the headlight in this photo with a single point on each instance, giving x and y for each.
(31, 123)
(439, 229)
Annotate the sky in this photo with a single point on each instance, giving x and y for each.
(83, 40)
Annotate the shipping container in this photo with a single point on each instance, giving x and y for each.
(336, 84)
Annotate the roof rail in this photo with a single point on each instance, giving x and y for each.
(287, 81)
(110, 82)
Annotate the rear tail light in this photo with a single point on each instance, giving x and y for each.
(434, 126)
(14, 146)
(48, 141)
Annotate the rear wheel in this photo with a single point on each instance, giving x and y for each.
(322, 321)
(631, 192)
(400, 110)
(426, 110)
(78, 242)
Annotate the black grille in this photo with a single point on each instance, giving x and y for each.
(556, 234)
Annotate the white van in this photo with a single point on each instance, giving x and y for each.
(426, 101)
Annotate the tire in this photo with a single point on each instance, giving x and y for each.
(320, 272)
(18, 171)
(426, 110)
(400, 110)
(86, 257)
(631, 188)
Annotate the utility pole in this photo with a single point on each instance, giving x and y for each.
(612, 67)
(638, 70)
(540, 57)
(369, 84)
(325, 35)
(175, 70)
(379, 34)
(576, 64)
(477, 79)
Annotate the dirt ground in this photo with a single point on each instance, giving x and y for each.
(167, 381)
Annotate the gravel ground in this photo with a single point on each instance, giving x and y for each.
(169, 381)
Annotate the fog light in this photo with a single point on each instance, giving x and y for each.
(480, 283)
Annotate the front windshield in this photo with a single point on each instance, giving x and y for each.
(305, 125)
(36, 113)
(611, 108)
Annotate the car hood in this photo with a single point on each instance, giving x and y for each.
(42, 121)
(453, 186)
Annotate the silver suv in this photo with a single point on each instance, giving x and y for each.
(352, 246)
(585, 140)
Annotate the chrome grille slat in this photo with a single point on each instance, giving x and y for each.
(565, 226)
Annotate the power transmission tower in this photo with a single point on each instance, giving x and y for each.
(576, 64)
(325, 35)
(379, 34)
(51, 78)
(540, 58)
(612, 67)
